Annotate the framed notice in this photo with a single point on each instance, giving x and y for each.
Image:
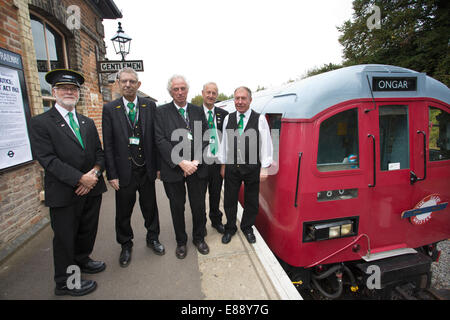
(15, 147)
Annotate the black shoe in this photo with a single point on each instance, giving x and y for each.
(226, 238)
(157, 247)
(202, 247)
(87, 286)
(181, 252)
(125, 257)
(250, 237)
(93, 266)
(219, 227)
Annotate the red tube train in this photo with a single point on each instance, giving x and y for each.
(363, 182)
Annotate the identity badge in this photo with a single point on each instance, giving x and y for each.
(134, 140)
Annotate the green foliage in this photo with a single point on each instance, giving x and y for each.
(198, 99)
(322, 69)
(414, 34)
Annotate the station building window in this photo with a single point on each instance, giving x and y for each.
(51, 53)
(439, 143)
(338, 142)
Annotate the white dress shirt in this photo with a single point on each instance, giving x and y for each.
(266, 150)
(65, 114)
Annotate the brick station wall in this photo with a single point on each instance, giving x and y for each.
(20, 205)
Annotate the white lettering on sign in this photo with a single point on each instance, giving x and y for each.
(393, 84)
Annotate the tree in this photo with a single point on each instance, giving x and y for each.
(322, 69)
(198, 99)
(414, 34)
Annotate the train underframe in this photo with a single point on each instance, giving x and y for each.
(386, 279)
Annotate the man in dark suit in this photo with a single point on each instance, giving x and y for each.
(179, 130)
(68, 147)
(215, 117)
(131, 162)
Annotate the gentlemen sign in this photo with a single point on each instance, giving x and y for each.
(111, 66)
(394, 84)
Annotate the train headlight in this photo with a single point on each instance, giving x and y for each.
(330, 229)
(346, 229)
(334, 232)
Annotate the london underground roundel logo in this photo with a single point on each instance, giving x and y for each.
(422, 212)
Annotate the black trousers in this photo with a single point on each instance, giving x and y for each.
(75, 229)
(234, 176)
(125, 201)
(214, 186)
(176, 192)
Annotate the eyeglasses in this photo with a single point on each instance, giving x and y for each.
(72, 89)
(132, 82)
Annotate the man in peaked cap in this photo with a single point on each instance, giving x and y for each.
(68, 147)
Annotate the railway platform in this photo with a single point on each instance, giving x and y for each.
(236, 271)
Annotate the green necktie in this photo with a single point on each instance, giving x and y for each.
(132, 112)
(241, 123)
(75, 128)
(212, 133)
(182, 111)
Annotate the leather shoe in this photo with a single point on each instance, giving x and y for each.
(87, 286)
(219, 227)
(157, 247)
(250, 237)
(226, 238)
(125, 257)
(181, 251)
(93, 266)
(202, 247)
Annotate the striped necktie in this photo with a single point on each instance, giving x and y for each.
(75, 128)
(241, 123)
(212, 133)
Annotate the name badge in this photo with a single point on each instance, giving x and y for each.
(134, 140)
(189, 136)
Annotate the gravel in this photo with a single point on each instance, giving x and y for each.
(441, 270)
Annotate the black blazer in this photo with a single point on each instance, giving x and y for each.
(116, 139)
(168, 119)
(61, 155)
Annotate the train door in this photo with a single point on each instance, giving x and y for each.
(429, 215)
(339, 189)
(394, 129)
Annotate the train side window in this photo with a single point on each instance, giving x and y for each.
(394, 137)
(338, 142)
(439, 144)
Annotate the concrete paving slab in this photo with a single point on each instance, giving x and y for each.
(229, 272)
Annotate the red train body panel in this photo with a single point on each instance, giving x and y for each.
(363, 166)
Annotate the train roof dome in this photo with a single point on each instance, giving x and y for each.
(305, 98)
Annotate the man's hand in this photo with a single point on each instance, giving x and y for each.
(188, 167)
(114, 183)
(88, 180)
(82, 190)
(263, 174)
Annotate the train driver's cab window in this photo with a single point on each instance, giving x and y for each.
(439, 122)
(338, 142)
(394, 137)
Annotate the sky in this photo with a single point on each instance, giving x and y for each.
(231, 42)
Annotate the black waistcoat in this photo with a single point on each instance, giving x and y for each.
(136, 151)
(243, 149)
